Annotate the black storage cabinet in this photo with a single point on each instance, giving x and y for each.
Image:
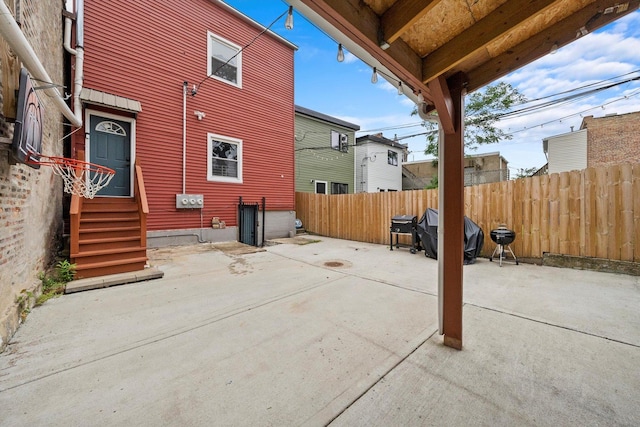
(404, 224)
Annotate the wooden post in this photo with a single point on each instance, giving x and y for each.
(451, 211)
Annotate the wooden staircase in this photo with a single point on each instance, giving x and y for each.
(108, 234)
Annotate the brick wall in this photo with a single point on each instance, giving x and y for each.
(613, 139)
(30, 199)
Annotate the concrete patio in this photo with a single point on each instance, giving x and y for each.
(328, 332)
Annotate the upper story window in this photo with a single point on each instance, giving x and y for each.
(225, 60)
(392, 158)
(339, 141)
(224, 159)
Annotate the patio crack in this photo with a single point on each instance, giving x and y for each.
(542, 322)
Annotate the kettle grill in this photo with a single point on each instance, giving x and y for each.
(503, 237)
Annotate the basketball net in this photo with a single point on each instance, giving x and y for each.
(80, 178)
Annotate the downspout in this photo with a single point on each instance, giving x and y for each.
(78, 52)
(11, 32)
(184, 137)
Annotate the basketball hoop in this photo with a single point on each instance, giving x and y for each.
(81, 178)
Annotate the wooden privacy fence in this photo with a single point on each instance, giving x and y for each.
(591, 213)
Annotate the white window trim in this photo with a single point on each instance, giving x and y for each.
(216, 178)
(211, 36)
(326, 187)
(397, 158)
(132, 140)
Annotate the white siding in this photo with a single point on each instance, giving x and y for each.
(567, 152)
(361, 164)
(374, 173)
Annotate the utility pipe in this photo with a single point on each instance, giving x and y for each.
(78, 52)
(11, 32)
(184, 136)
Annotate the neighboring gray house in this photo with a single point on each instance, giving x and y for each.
(324, 153)
(379, 164)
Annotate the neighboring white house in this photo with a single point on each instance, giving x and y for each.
(566, 152)
(379, 164)
(601, 141)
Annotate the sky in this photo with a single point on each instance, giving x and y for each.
(344, 89)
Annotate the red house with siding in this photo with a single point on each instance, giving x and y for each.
(194, 109)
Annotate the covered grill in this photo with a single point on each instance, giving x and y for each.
(404, 224)
(503, 237)
(428, 234)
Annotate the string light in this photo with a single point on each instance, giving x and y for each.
(420, 97)
(400, 91)
(554, 48)
(288, 24)
(374, 76)
(340, 53)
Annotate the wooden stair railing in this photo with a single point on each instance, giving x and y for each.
(109, 234)
(140, 194)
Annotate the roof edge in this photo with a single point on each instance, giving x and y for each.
(324, 117)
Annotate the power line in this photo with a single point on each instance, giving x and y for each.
(578, 88)
(561, 101)
(197, 87)
(636, 92)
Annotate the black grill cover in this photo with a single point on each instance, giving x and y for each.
(428, 233)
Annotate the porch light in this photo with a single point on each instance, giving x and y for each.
(288, 24)
(340, 53)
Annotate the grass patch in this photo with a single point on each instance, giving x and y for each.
(54, 282)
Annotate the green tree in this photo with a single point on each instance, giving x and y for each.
(482, 111)
(525, 172)
(433, 184)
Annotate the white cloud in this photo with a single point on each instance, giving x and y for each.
(350, 58)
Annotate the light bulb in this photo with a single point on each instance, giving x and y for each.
(400, 92)
(288, 24)
(420, 97)
(340, 53)
(374, 76)
(554, 48)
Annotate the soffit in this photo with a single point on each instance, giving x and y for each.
(421, 41)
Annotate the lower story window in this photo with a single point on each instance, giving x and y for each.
(338, 188)
(224, 159)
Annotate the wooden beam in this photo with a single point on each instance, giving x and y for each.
(402, 15)
(451, 215)
(443, 103)
(539, 45)
(494, 25)
(362, 25)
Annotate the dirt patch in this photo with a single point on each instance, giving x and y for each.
(298, 240)
(236, 248)
(172, 252)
